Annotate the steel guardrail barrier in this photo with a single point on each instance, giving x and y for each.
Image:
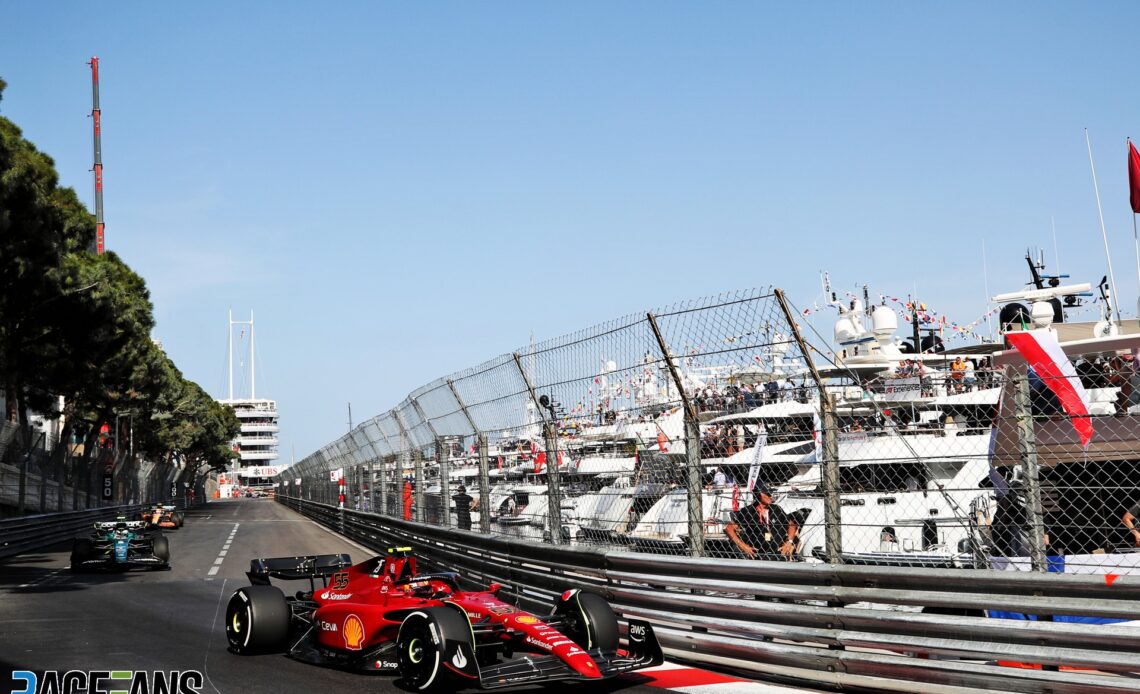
(26, 533)
(844, 626)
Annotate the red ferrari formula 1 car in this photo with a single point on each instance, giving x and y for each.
(382, 615)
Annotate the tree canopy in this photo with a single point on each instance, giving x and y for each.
(77, 326)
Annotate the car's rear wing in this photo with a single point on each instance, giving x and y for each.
(294, 568)
(110, 525)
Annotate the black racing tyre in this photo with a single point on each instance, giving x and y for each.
(257, 620)
(81, 549)
(421, 657)
(179, 519)
(160, 547)
(590, 621)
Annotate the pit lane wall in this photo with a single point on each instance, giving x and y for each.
(885, 628)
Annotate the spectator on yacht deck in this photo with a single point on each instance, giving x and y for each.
(971, 377)
(957, 373)
(787, 390)
(719, 478)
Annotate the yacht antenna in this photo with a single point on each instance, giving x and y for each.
(252, 361)
(1109, 316)
(1056, 254)
(230, 349)
(986, 281)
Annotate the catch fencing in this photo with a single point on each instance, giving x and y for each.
(657, 433)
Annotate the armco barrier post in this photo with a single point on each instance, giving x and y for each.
(693, 486)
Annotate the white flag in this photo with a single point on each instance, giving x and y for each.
(757, 456)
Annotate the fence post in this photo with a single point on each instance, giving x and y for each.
(481, 447)
(372, 483)
(550, 436)
(485, 509)
(23, 483)
(384, 462)
(418, 486)
(694, 490)
(401, 464)
(1027, 447)
(829, 444)
(441, 459)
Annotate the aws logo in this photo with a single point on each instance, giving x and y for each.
(353, 632)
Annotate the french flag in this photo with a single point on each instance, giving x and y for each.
(1041, 349)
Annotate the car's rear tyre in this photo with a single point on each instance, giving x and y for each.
(422, 652)
(589, 619)
(160, 546)
(179, 519)
(257, 620)
(81, 549)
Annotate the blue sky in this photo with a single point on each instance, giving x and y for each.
(402, 190)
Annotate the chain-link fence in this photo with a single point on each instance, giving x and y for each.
(717, 428)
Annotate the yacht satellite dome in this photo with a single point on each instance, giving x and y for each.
(1104, 328)
(611, 366)
(884, 322)
(1013, 316)
(1043, 313)
(845, 331)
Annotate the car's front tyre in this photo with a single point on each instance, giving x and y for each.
(589, 619)
(434, 644)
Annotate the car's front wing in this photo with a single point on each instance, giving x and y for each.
(644, 651)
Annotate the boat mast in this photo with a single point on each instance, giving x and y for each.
(252, 363)
(230, 353)
(96, 122)
(1110, 315)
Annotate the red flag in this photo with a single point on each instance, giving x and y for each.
(539, 461)
(662, 440)
(1134, 176)
(1041, 349)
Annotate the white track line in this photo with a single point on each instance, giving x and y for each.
(222, 553)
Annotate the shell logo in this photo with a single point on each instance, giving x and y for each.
(527, 619)
(353, 633)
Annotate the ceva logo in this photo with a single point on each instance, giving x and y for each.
(107, 682)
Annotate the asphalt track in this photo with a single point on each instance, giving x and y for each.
(53, 619)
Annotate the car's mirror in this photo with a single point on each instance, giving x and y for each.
(494, 588)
